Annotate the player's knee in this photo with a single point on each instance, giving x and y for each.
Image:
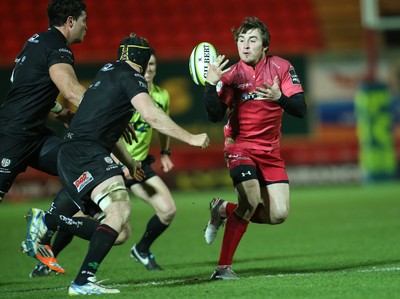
(123, 235)
(279, 216)
(167, 216)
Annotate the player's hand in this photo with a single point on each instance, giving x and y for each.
(129, 134)
(136, 171)
(127, 174)
(270, 92)
(216, 70)
(200, 140)
(64, 116)
(166, 163)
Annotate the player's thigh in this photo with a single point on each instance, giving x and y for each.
(15, 155)
(249, 198)
(46, 158)
(156, 193)
(278, 201)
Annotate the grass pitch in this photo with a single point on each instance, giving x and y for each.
(338, 242)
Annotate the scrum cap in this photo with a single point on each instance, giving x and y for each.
(136, 50)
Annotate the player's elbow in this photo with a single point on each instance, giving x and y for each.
(214, 117)
(302, 110)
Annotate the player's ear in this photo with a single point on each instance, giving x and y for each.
(70, 21)
(266, 49)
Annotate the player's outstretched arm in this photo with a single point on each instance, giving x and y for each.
(161, 122)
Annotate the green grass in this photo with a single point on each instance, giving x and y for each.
(339, 242)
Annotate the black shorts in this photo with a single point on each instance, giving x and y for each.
(82, 165)
(17, 154)
(148, 171)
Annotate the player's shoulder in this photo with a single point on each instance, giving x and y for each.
(51, 41)
(234, 70)
(278, 61)
(52, 38)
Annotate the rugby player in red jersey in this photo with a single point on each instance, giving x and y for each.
(255, 92)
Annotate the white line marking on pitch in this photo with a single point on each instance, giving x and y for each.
(182, 281)
(170, 282)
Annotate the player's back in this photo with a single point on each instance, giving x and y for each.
(106, 107)
(32, 94)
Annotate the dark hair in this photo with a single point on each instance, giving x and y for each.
(59, 10)
(250, 23)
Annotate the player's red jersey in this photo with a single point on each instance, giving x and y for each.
(254, 122)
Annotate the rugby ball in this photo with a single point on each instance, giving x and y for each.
(203, 54)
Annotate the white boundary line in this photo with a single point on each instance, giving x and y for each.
(170, 282)
(182, 281)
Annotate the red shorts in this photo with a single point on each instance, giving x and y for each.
(269, 164)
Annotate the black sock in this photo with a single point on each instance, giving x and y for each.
(82, 227)
(61, 241)
(100, 244)
(47, 238)
(153, 230)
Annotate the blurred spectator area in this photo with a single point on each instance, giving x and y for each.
(173, 27)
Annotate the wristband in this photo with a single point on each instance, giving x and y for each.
(165, 152)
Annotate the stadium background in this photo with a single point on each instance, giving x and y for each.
(325, 40)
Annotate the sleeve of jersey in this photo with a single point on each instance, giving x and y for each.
(134, 87)
(61, 55)
(215, 108)
(290, 82)
(294, 105)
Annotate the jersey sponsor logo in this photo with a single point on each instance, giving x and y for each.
(83, 180)
(5, 162)
(293, 76)
(237, 157)
(142, 84)
(33, 39)
(20, 60)
(245, 85)
(95, 85)
(251, 96)
(107, 67)
(64, 50)
(111, 167)
(109, 160)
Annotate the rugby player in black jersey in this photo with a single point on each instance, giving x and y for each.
(85, 167)
(42, 70)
